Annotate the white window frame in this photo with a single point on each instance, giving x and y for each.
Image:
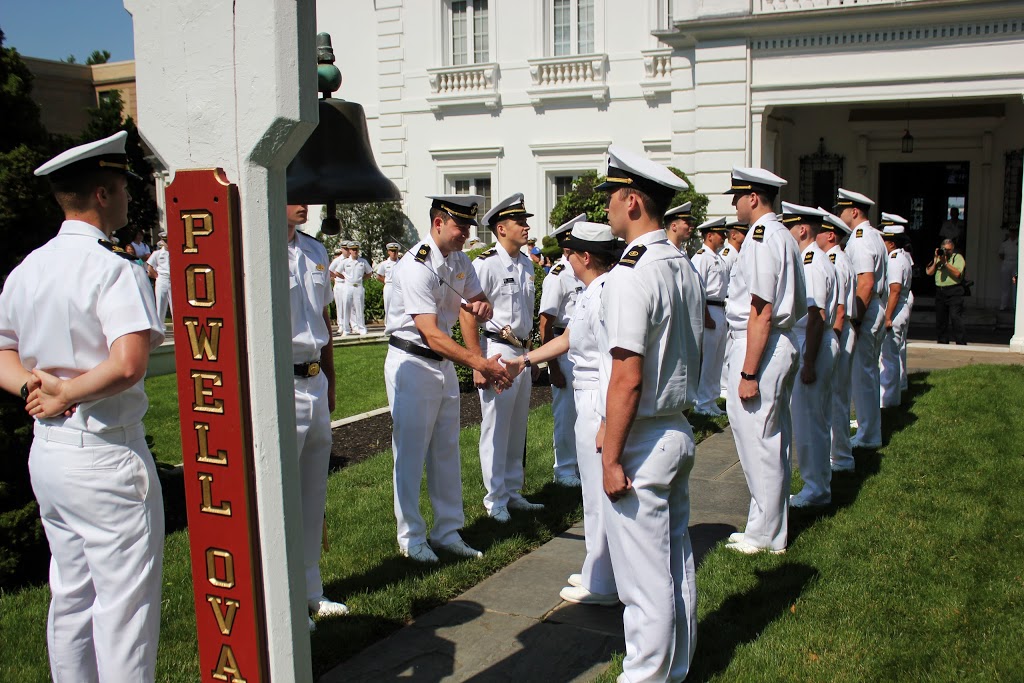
(452, 177)
(574, 28)
(444, 53)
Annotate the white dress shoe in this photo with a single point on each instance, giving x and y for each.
(855, 442)
(523, 505)
(322, 607)
(459, 548)
(420, 552)
(737, 537)
(499, 514)
(571, 481)
(800, 501)
(581, 596)
(575, 580)
(844, 468)
(747, 549)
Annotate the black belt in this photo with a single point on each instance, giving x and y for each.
(498, 338)
(715, 303)
(559, 331)
(311, 369)
(414, 349)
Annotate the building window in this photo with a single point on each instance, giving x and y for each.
(1012, 186)
(470, 42)
(480, 186)
(573, 26)
(561, 185)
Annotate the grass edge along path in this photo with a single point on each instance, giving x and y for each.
(362, 568)
(913, 574)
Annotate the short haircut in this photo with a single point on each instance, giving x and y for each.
(73, 192)
(765, 196)
(652, 206)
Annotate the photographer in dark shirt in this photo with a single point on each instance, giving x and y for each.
(948, 268)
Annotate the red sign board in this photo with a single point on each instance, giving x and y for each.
(204, 240)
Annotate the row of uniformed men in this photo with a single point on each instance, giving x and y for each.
(348, 271)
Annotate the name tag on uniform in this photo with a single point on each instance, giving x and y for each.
(509, 280)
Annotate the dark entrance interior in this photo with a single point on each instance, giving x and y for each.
(924, 193)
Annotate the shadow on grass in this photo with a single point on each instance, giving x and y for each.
(742, 618)
(704, 538)
(847, 486)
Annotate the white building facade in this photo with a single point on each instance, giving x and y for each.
(917, 103)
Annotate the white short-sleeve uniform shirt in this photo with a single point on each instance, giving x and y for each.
(418, 289)
(385, 269)
(845, 279)
(584, 351)
(769, 268)
(820, 284)
(309, 292)
(507, 281)
(160, 261)
(867, 253)
(355, 269)
(559, 293)
(656, 309)
(898, 272)
(711, 269)
(71, 332)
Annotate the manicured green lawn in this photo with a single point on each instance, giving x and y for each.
(914, 574)
(362, 568)
(360, 388)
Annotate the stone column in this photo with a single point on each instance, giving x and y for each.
(233, 85)
(1017, 341)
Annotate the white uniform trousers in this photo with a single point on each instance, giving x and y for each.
(842, 451)
(598, 576)
(313, 438)
(725, 364)
(891, 372)
(103, 515)
(503, 432)
(864, 376)
(356, 304)
(651, 552)
(812, 421)
(163, 298)
(763, 429)
(712, 358)
(387, 299)
(424, 399)
(904, 382)
(563, 410)
(340, 306)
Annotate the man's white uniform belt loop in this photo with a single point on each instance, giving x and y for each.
(74, 437)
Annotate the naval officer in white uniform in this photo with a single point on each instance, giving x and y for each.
(894, 219)
(357, 271)
(560, 289)
(506, 279)
(432, 283)
(78, 355)
(338, 282)
(652, 313)
(897, 315)
(830, 239)
(867, 253)
(766, 298)
(818, 348)
(679, 226)
(384, 270)
(313, 357)
(711, 268)
(159, 267)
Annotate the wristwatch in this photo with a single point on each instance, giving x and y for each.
(526, 360)
(744, 375)
(24, 392)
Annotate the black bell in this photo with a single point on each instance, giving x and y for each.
(336, 165)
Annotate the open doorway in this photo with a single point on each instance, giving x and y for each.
(933, 197)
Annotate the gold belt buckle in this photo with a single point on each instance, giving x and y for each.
(314, 370)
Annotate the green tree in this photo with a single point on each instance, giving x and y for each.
(98, 57)
(373, 225)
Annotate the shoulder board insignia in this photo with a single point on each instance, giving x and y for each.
(630, 258)
(422, 253)
(557, 269)
(832, 258)
(700, 251)
(725, 252)
(489, 253)
(808, 257)
(110, 246)
(860, 232)
(320, 266)
(894, 255)
(759, 233)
